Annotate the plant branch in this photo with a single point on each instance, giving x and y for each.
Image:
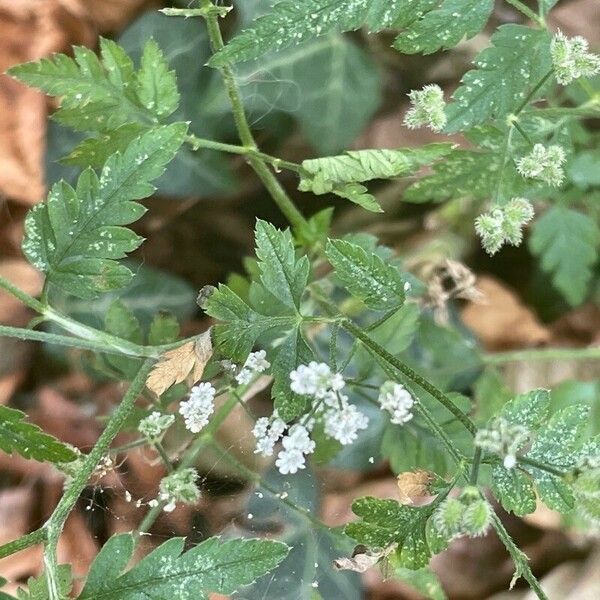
(525, 10)
(519, 558)
(536, 354)
(279, 195)
(25, 541)
(409, 373)
(55, 523)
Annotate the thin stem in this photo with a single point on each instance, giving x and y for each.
(388, 315)
(163, 455)
(55, 523)
(519, 558)
(277, 163)
(522, 132)
(25, 298)
(189, 458)
(475, 466)
(505, 157)
(522, 8)
(25, 541)
(533, 92)
(541, 466)
(279, 195)
(408, 372)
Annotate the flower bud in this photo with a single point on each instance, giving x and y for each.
(571, 59)
(448, 517)
(179, 486)
(428, 108)
(476, 518)
(543, 163)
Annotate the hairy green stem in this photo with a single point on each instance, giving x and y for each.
(519, 558)
(279, 195)
(277, 163)
(533, 92)
(190, 456)
(541, 466)
(477, 457)
(536, 354)
(25, 541)
(409, 373)
(54, 526)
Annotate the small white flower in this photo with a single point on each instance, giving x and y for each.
(396, 399)
(571, 59)
(255, 363)
(179, 486)
(344, 424)
(198, 408)
(428, 108)
(543, 163)
(296, 445)
(317, 380)
(267, 433)
(504, 439)
(155, 424)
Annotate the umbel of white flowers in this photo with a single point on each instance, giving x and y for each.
(428, 108)
(503, 225)
(340, 419)
(571, 59)
(177, 487)
(504, 439)
(544, 164)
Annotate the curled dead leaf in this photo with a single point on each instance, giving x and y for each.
(181, 363)
(413, 485)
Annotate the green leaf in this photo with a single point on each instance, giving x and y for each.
(305, 82)
(101, 94)
(386, 522)
(424, 581)
(506, 72)
(556, 444)
(529, 409)
(290, 23)
(341, 174)
(566, 240)
(583, 169)
(445, 26)
(514, 489)
(284, 276)
(167, 572)
(365, 275)
(29, 440)
(164, 329)
(76, 235)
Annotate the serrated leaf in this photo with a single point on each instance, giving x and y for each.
(341, 175)
(567, 241)
(281, 273)
(37, 587)
(290, 23)
(365, 275)
(76, 235)
(506, 72)
(529, 409)
(445, 26)
(514, 489)
(29, 440)
(101, 94)
(168, 572)
(386, 522)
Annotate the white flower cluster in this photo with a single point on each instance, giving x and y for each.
(544, 164)
(504, 225)
(179, 486)
(571, 59)
(504, 439)
(427, 108)
(396, 399)
(255, 363)
(296, 445)
(152, 426)
(341, 420)
(198, 407)
(267, 433)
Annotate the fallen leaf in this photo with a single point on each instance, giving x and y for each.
(414, 485)
(362, 559)
(175, 366)
(501, 320)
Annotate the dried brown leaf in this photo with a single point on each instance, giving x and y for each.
(414, 485)
(175, 366)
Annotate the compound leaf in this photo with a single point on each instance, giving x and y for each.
(76, 235)
(506, 72)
